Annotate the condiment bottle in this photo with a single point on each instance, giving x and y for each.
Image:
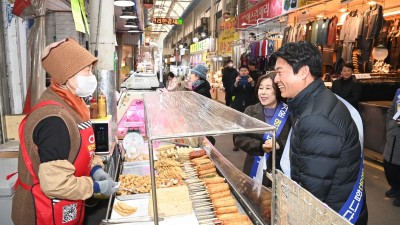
(93, 109)
(102, 106)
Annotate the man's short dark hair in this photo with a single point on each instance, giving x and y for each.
(348, 65)
(244, 66)
(299, 54)
(252, 63)
(171, 74)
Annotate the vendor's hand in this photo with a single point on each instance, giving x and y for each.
(267, 146)
(105, 187)
(251, 81)
(98, 174)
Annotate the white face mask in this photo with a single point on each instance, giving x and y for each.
(86, 85)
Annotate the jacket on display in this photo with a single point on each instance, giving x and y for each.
(350, 29)
(325, 148)
(252, 142)
(372, 22)
(332, 30)
(322, 35)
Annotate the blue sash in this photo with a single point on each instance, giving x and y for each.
(278, 120)
(352, 207)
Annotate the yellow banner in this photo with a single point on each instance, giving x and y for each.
(79, 15)
(83, 11)
(227, 35)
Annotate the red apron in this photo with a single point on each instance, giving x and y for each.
(59, 211)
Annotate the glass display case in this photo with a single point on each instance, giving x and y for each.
(171, 115)
(188, 114)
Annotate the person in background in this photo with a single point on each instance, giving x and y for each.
(173, 82)
(57, 169)
(200, 85)
(346, 86)
(272, 110)
(243, 90)
(391, 154)
(254, 74)
(326, 154)
(229, 75)
(198, 80)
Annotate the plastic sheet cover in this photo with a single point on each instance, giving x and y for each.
(188, 114)
(35, 44)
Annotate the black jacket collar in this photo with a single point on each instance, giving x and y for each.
(299, 103)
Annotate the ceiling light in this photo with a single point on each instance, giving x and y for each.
(244, 24)
(391, 13)
(180, 46)
(130, 23)
(203, 34)
(371, 3)
(343, 10)
(135, 31)
(124, 3)
(319, 15)
(195, 39)
(127, 15)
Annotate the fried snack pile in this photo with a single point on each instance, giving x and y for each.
(168, 151)
(142, 184)
(124, 209)
(169, 168)
(136, 157)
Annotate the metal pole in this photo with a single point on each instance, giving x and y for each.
(4, 106)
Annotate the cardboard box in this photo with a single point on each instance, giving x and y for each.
(12, 125)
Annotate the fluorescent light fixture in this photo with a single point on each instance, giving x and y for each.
(130, 23)
(391, 13)
(124, 3)
(320, 15)
(127, 15)
(343, 10)
(135, 31)
(203, 34)
(371, 3)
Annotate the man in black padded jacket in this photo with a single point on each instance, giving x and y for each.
(325, 149)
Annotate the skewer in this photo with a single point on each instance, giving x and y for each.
(206, 213)
(203, 204)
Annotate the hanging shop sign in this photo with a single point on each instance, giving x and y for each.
(168, 51)
(200, 46)
(227, 36)
(289, 5)
(79, 15)
(264, 10)
(170, 21)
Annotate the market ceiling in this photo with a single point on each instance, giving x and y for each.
(161, 9)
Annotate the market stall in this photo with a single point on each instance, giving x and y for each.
(176, 123)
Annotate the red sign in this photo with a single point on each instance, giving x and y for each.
(264, 10)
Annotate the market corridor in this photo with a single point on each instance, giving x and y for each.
(380, 209)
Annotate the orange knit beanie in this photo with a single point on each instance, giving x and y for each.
(63, 59)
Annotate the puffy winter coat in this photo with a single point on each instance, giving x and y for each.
(325, 149)
(392, 148)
